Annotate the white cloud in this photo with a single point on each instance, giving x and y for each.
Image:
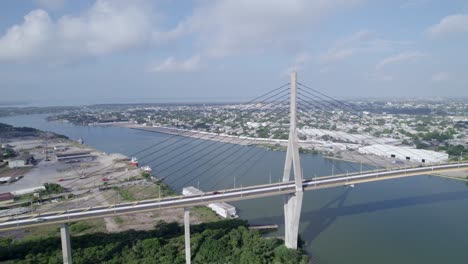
(345, 48)
(398, 58)
(173, 65)
(228, 27)
(51, 4)
(106, 27)
(450, 25)
(219, 28)
(360, 41)
(440, 77)
(26, 39)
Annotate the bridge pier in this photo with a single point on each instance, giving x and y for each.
(292, 217)
(66, 246)
(188, 254)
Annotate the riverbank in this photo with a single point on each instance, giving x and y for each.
(238, 140)
(89, 177)
(306, 147)
(376, 217)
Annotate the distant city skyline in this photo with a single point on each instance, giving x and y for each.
(60, 52)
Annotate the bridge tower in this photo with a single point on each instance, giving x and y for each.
(293, 202)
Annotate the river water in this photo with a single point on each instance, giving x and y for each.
(421, 219)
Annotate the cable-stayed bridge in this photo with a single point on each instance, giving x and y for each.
(287, 103)
(226, 195)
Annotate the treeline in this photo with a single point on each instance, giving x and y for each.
(9, 131)
(455, 151)
(9, 128)
(227, 241)
(12, 111)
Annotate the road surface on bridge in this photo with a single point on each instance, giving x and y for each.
(227, 195)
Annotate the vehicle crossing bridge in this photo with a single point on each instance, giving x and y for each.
(292, 189)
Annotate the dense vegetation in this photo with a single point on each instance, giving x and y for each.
(12, 111)
(8, 131)
(11, 131)
(7, 153)
(227, 241)
(52, 188)
(455, 151)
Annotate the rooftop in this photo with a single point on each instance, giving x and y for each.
(6, 196)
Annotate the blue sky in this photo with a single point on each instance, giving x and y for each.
(92, 51)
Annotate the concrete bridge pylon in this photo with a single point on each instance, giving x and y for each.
(293, 202)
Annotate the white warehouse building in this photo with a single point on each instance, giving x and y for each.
(405, 153)
(223, 209)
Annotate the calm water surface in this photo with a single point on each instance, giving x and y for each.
(420, 219)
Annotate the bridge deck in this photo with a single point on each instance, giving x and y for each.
(228, 195)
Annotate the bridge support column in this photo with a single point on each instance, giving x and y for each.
(292, 217)
(66, 246)
(293, 202)
(188, 255)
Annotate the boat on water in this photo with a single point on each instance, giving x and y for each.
(146, 168)
(134, 161)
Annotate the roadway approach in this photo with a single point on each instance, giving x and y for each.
(235, 194)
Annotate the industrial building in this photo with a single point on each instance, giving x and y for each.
(21, 161)
(188, 191)
(223, 209)
(6, 198)
(28, 190)
(60, 148)
(345, 136)
(405, 153)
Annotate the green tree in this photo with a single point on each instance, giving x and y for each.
(52, 188)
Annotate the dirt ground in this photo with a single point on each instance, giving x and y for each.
(84, 180)
(7, 172)
(145, 221)
(81, 175)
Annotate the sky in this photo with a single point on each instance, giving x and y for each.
(60, 52)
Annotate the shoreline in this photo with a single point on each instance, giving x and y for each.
(224, 138)
(270, 144)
